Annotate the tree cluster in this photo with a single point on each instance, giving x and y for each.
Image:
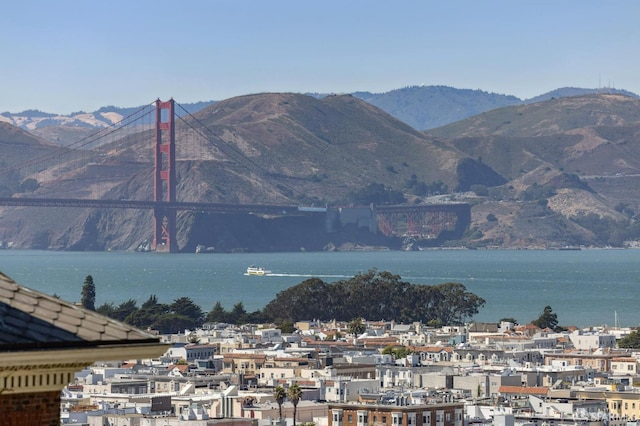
(379, 295)
(417, 187)
(182, 314)
(548, 319)
(607, 230)
(632, 341)
(376, 193)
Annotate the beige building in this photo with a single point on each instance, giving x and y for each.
(624, 366)
(620, 404)
(597, 361)
(445, 414)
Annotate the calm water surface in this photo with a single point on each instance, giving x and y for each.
(586, 287)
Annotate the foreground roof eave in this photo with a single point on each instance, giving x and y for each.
(86, 356)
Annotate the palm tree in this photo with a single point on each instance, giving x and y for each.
(279, 394)
(294, 393)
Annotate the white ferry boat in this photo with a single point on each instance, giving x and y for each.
(257, 270)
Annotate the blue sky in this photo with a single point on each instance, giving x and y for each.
(65, 56)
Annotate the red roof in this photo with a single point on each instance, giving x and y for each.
(524, 390)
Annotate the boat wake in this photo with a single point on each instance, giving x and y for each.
(271, 274)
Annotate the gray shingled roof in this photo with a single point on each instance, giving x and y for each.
(33, 318)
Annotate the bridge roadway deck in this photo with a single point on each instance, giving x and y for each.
(273, 209)
(178, 205)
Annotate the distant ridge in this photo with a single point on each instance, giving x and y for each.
(429, 107)
(421, 107)
(566, 92)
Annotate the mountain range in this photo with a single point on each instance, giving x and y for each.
(558, 170)
(421, 107)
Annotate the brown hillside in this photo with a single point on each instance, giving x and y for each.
(593, 139)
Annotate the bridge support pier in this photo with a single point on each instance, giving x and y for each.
(164, 230)
(164, 179)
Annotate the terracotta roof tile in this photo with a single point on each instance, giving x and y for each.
(92, 326)
(25, 297)
(72, 311)
(91, 335)
(116, 333)
(24, 307)
(50, 305)
(28, 316)
(45, 314)
(5, 293)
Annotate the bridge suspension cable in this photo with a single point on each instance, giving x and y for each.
(85, 141)
(227, 149)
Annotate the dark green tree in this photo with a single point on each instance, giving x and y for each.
(356, 326)
(256, 317)
(307, 300)
(376, 193)
(238, 314)
(374, 295)
(185, 307)
(172, 323)
(217, 313)
(398, 352)
(280, 395)
(88, 300)
(388, 350)
(124, 309)
(548, 319)
(632, 341)
(286, 327)
(107, 309)
(402, 352)
(294, 393)
(148, 314)
(28, 185)
(457, 303)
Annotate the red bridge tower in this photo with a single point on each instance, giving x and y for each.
(164, 181)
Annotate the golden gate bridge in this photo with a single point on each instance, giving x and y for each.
(420, 221)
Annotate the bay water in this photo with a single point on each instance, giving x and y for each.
(584, 287)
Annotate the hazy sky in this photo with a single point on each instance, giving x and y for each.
(65, 56)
